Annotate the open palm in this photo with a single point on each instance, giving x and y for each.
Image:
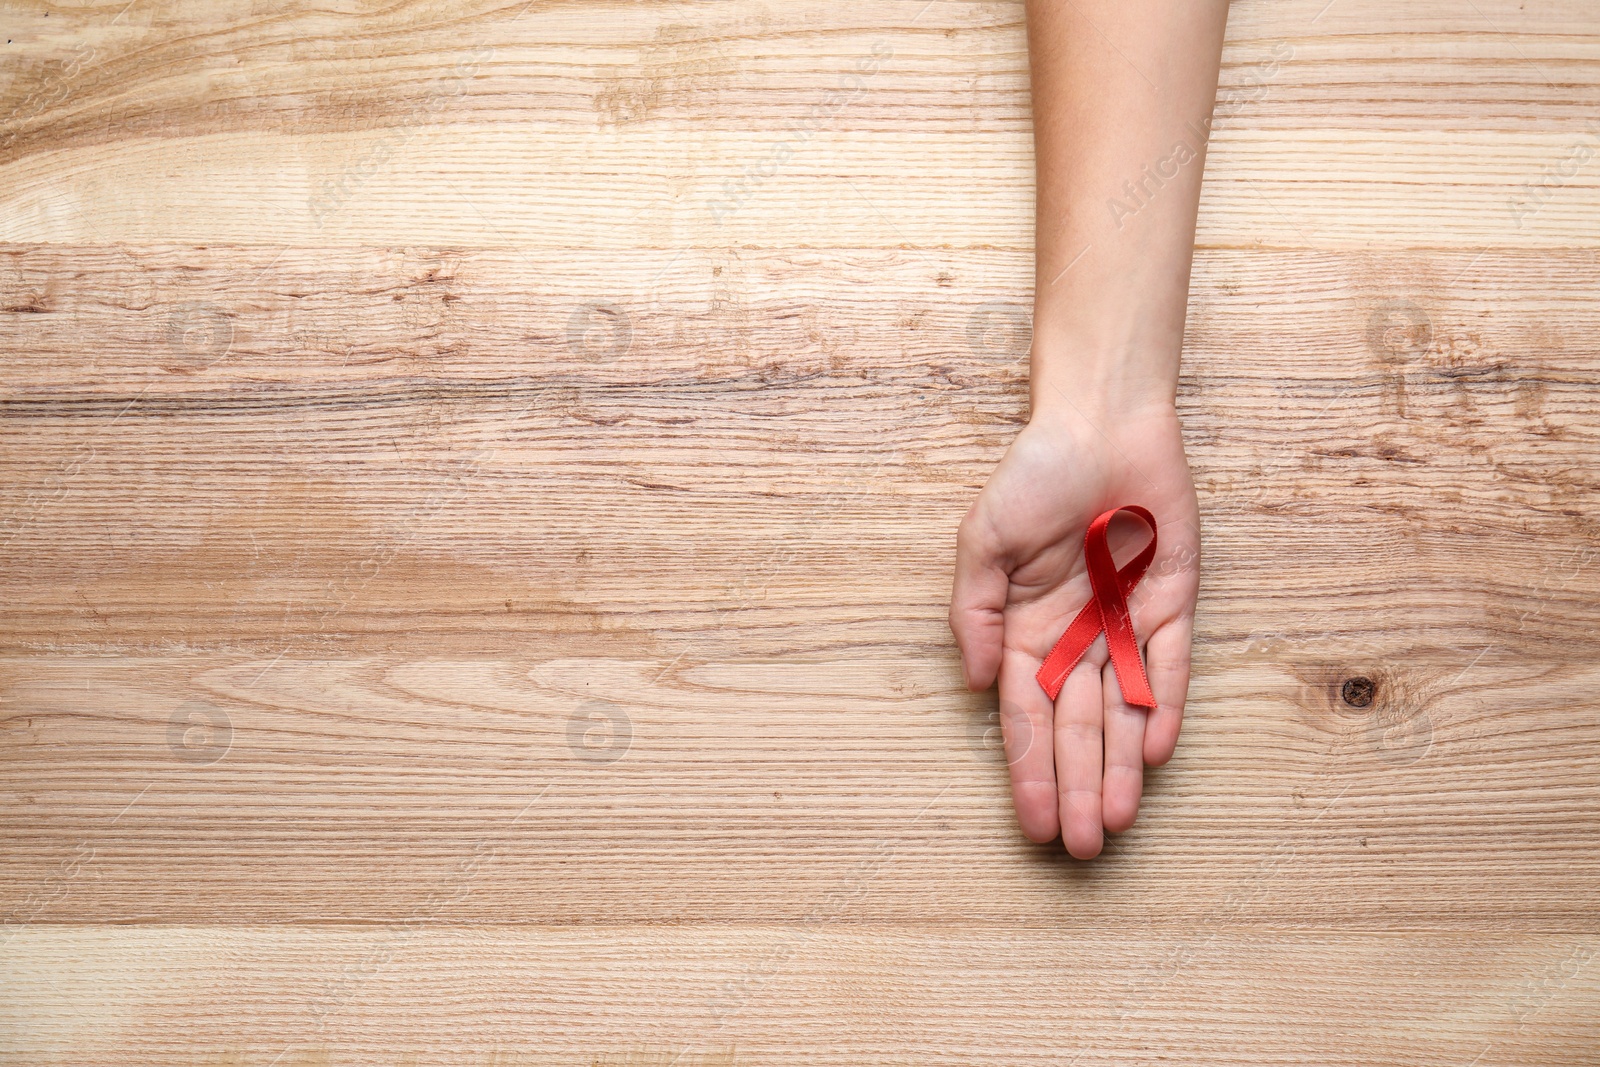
(1077, 764)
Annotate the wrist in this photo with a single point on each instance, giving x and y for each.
(1108, 332)
(1105, 384)
(1106, 414)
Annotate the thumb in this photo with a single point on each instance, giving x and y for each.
(977, 604)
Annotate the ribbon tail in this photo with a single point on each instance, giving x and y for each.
(1125, 660)
(1069, 650)
(1121, 641)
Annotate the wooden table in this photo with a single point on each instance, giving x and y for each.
(479, 492)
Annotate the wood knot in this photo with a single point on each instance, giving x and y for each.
(1359, 691)
(1386, 710)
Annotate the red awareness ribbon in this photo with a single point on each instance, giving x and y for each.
(1106, 610)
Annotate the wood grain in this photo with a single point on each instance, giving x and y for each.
(477, 501)
(718, 996)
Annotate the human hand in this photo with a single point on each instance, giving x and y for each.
(1077, 765)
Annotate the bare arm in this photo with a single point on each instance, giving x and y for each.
(1122, 97)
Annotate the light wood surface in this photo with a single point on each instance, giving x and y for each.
(479, 486)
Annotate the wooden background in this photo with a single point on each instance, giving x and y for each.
(479, 491)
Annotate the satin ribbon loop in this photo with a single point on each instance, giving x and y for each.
(1106, 610)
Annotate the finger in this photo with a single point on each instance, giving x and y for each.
(977, 603)
(1124, 775)
(1167, 656)
(1025, 720)
(1079, 741)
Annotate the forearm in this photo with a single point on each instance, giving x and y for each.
(1122, 99)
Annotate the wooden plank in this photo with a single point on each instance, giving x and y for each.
(249, 792)
(394, 422)
(726, 130)
(506, 996)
